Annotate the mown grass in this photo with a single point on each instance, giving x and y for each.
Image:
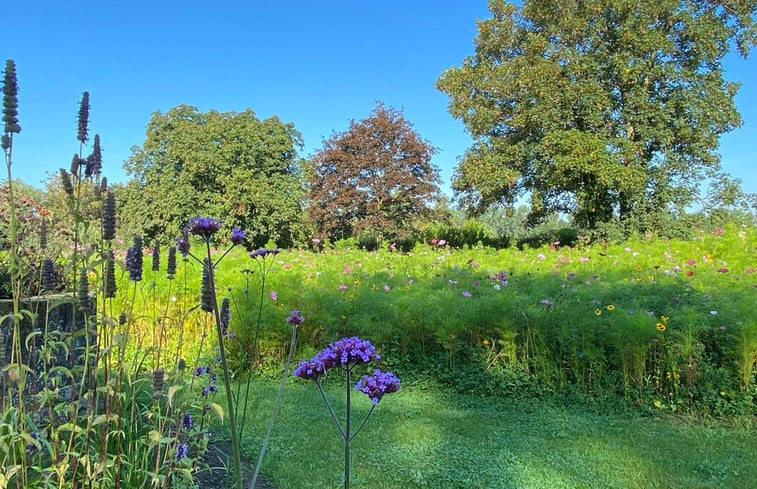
(433, 439)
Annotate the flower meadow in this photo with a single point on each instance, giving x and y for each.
(659, 324)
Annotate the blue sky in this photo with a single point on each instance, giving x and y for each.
(316, 64)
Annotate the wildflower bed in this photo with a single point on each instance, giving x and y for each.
(667, 325)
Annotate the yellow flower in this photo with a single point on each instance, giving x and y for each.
(651, 277)
(610, 307)
(676, 375)
(664, 319)
(598, 312)
(91, 275)
(657, 404)
(661, 327)
(357, 282)
(638, 268)
(486, 342)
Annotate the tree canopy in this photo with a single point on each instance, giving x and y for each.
(375, 177)
(229, 165)
(605, 109)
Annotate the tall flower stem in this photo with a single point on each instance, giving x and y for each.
(348, 371)
(226, 381)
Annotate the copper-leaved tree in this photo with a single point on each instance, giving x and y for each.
(376, 177)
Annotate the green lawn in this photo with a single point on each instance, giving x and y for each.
(428, 439)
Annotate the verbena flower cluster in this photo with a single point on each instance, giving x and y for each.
(343, 353)
(237, 236)
(204, 227)
(263, 252)
(377, 384)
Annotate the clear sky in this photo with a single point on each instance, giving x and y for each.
(316, 64)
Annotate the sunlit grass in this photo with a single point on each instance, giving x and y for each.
(432, 439)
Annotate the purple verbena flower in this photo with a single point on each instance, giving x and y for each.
(311, 369)
(237, 236)
(205, 227)
(187, 422)
(295, 318)
(263, 252)
(377, 384)
(182, 244)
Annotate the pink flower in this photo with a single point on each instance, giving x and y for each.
(442, 242)
(434, 241)
(541, 256)
(342, 287)
(347, 270)
(583, 259)
(690, 262)
(719, 231)
(723, 270)
(467, 293)
(287, 266)
(749, 271)
(274, 296)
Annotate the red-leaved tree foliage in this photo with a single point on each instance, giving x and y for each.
(375, 178)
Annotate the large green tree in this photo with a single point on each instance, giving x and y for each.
(376, 177)
(605, 109)
(229, 165)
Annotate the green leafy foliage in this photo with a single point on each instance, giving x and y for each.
(230, 165)
(600, 108)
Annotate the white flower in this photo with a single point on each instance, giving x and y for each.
(714, 313)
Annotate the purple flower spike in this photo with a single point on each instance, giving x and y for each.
(203, 226)
(237, 236)
(378, 384)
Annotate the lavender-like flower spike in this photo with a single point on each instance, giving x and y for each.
(378, 384)
(237, 236)
(82, 292)
(206, 297)
(156, 256)
(48, 274)
(134, 260)
(225, 314)
(10, 103)
(109, 216)
(65, 180)
(171, 265)
(109, 287)
(204, 227)
(82, 127)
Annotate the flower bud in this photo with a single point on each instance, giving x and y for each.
(206, 297)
